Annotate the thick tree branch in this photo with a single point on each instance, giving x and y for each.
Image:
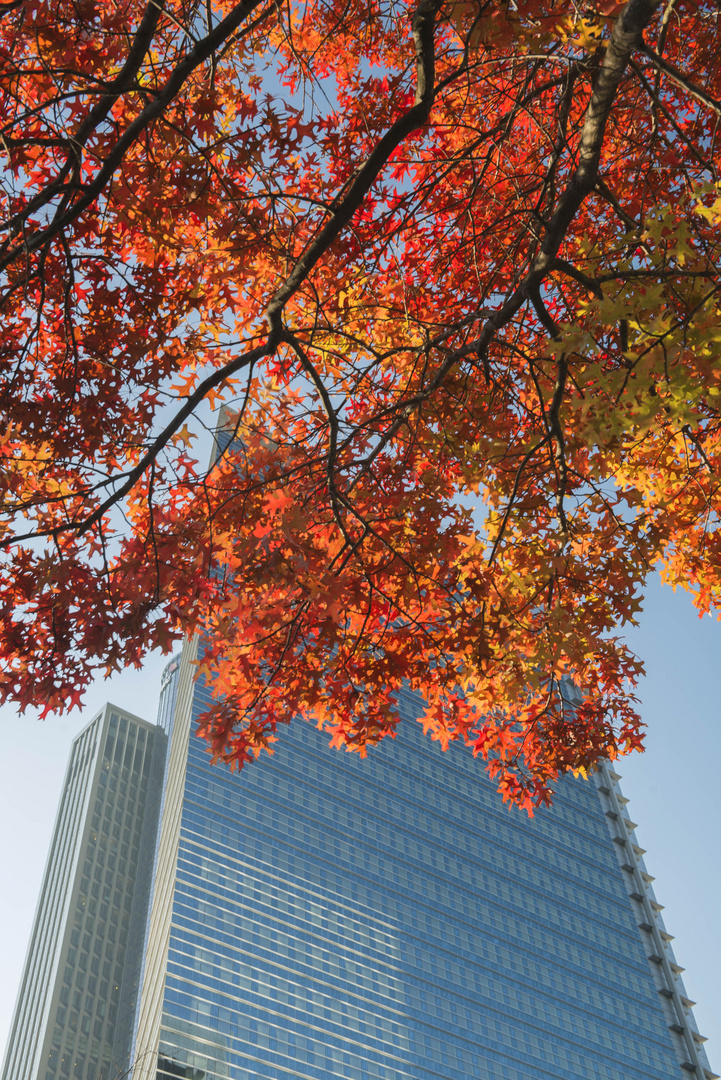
(350, 201)
(196, 56)
(626, 38)
(123, 81)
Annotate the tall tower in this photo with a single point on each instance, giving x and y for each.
(319, 917)
(77, 999)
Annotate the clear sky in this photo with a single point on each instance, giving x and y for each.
(674, 790)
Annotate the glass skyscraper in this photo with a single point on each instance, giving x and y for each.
(319, 917)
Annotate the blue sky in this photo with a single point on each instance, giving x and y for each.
(673, 788)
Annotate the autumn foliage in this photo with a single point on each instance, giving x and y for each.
(452, 271)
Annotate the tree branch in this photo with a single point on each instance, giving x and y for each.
(189, 406)
(681, 80)
(154, 109)
(347, 204)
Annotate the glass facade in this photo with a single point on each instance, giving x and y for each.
(390, 919)
(79, 991)
(320, 917)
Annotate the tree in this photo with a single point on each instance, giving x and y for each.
(425, 254)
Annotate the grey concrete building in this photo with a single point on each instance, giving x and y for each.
(73, 1016)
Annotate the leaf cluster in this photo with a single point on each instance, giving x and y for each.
(450, 273)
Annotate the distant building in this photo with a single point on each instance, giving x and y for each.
(74, 1012)
(319, 917)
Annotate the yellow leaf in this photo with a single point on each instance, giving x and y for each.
(184, 436)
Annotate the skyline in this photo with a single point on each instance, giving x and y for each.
(686, 877)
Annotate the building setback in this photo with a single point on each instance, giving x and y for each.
(319, 917)
(77, 999)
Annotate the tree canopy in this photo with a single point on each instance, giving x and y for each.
(451, 270)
